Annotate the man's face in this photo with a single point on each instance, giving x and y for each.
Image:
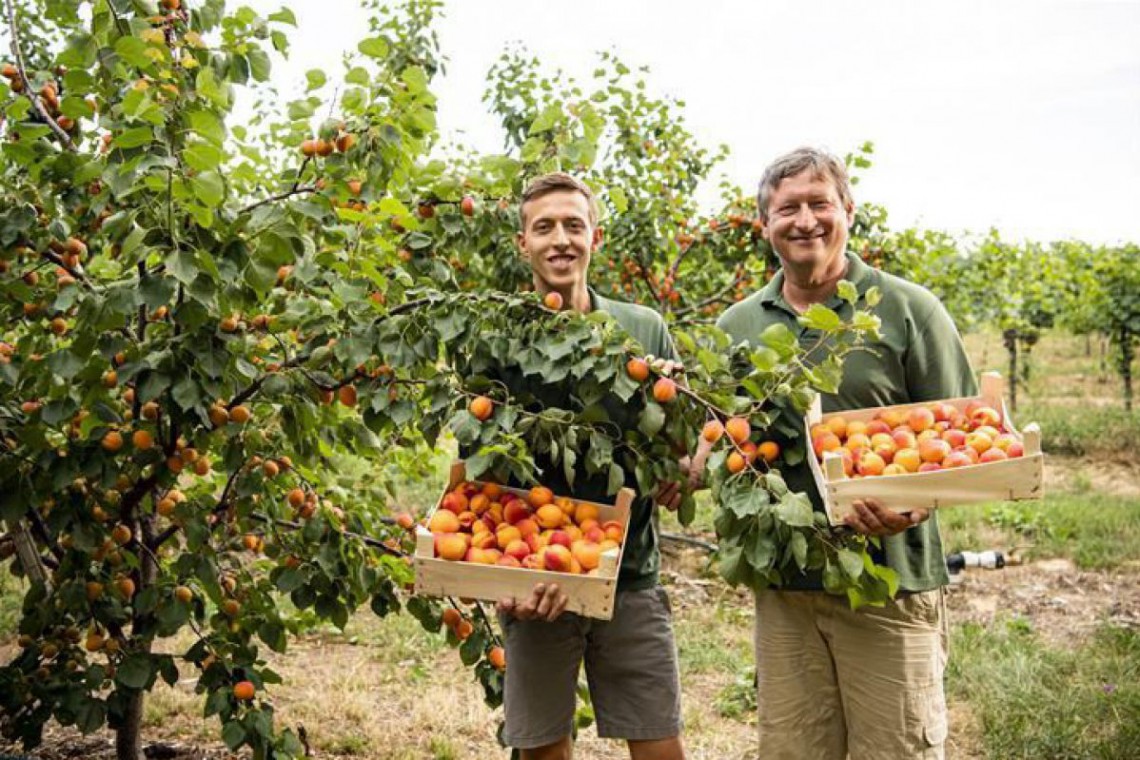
(557, 239)
(807, 221)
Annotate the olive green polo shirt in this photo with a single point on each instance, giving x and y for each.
(641, 557)
(919, 356)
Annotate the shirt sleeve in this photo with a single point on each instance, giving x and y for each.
(936, 365)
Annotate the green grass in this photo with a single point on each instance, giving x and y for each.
(1034, 701)
(1095, 531)
(11, 596)
(1106, 431)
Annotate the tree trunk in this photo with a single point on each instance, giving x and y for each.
(1103, 377)
(128, 737)
(1088, 344)
(1126, 356)
(1009, 337)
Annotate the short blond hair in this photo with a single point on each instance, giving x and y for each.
(554, 182)
(819, 162)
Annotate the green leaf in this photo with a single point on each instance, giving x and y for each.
(233, 734)
(135, 671)
(133, 51)
(848, 292)
(851, 563)
(209, 188)
(316, 79)
(374, 47)
(616, 479)
(652, 419)
(202, 157)
(794, 509)
(133, 138)
(819, 317)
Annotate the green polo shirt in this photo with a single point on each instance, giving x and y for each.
(919, 356)
(641, 557)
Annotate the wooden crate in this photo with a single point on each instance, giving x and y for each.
(589, 595)
(1007, 480)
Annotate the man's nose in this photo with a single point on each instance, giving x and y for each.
(804, 218)
(560, 236)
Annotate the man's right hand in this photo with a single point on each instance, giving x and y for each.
(546, 603)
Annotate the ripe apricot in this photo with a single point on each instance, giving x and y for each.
(405, 521)
(481, 408)
(231, 607)
(112, 441)
(498, 658)
(553, 301)
(738, 429)
(769, 450)
(270, 468)
(345, 141)
(244, 690)
(467, 206)
(142, 440)
(296, 497)
(444, 521)
(183, 594)
(638, 369)
(664, 390)
(735, 462)
(121, 534)
(712, 431)
(218, 415)
(240, 414)
(540, 496)
(126, 587)
(346, 394)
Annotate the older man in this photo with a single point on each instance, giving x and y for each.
(835, 682)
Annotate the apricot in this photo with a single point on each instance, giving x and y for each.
(244, 691)
(296, 497)
(498, 658)
(451, 546)
(556, 558)
(142, 440)
(346, 394)
(638, 369)
(112, 441)
(587, 553)
(735, 462)
(553, 301)
(712, 431)
(933, 450)
(664, 390)
(920, 419)
(549, 516)
(769, 450)
(444, 521)
(738, 429)
(540, 496)
(481, 408)
(405, 521)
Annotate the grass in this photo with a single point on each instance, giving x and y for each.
(1095, 531)
(1039, 702)
(11, 595)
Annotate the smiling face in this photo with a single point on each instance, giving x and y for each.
(808, 221)
(557, 239)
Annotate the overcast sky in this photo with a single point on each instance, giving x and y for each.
(1020, 115)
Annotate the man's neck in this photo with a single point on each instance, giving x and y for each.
(806, 286)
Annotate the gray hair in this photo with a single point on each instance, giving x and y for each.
(819, 162)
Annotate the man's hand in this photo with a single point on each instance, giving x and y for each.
(545, 603)
(669, 494)
(871, 518)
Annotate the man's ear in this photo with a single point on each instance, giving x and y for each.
(598, 236)
(850, 210)
(520, 244)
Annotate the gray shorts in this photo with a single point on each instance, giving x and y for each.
(631, 667)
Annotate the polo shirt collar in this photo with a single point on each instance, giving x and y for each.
(858, 274)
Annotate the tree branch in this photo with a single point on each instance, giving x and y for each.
(31, 96)
(295, 190)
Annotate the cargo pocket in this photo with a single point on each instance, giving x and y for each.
(927, 725)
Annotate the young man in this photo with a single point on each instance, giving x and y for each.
(631, 660)
(836, 683)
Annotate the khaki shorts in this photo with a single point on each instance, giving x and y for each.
(631, 667)
(836, 683)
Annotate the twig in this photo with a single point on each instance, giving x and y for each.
(295, 190)
(690, 541)
(19, 56)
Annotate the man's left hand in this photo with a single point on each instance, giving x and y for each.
(871, 518)
(668, 496)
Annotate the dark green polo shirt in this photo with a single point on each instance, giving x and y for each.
(641, 558)
(919, 356)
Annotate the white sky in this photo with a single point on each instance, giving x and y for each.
(1020, 115)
